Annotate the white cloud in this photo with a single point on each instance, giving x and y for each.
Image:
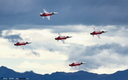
(108, 70)
(44, 68)
(53, 54)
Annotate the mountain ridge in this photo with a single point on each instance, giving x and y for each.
(79, 75)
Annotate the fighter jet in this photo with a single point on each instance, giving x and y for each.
(21, 43)
(76, 64)
(97, 33)
(62, 38)
(47, 14)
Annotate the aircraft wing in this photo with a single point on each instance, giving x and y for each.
(63, 41)
(98, 36)
(45, 11)
(48, 17)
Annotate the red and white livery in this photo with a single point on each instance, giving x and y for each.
(62, 38)
(76, 64)
(47, 14)
(21, 43)
(97, 33)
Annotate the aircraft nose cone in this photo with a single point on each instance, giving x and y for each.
(28, 42)
(83, 62)
(90, 33)
(104, 31)
(55, 13)
(69, 36)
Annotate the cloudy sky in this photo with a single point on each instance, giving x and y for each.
(20, 21)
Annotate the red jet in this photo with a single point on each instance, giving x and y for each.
(62, 38)
(76, 64)
(21, 43)
(47, 14)
(97, 33)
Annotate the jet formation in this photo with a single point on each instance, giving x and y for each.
(63, 38)
(60, 37)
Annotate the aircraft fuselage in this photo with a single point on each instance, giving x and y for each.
(62, 37)
(46, 14)
(21, 43)
(76, 64)
(97, 32)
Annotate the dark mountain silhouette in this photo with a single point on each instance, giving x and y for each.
(80, 75)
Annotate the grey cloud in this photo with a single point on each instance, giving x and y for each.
(13, 38)
(36, 54)
(98, 55)
(113, 48)
(33, 53)
(15, 6)
(89, 12)
(109, 48)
